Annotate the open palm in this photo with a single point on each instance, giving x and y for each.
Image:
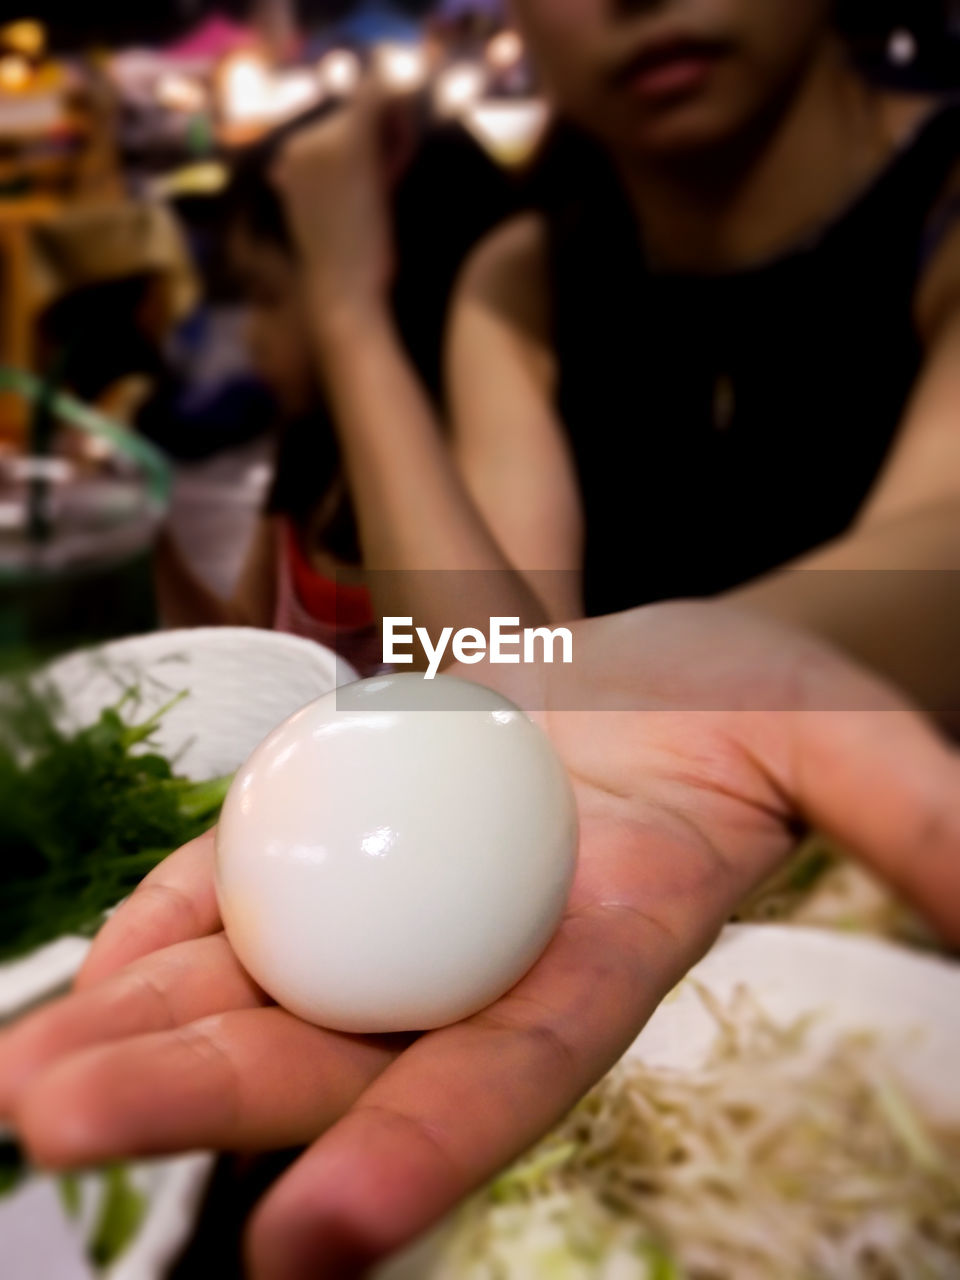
(705, 739)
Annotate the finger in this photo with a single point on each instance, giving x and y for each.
(176, 902)
(247, 1080)
(888, 788)
(464, 1101)
(164, 990)
(336, 123)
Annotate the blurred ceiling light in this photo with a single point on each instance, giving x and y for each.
(509, 130)
(292, 92)
(505, 50)
(28, 38)
(339, 72)
(458, 88)
(902, 47)
(401, 68)
(15, 73)
(245, 89)
(181, 93)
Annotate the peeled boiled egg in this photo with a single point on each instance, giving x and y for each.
(397, 855)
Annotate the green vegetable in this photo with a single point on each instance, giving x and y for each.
(526, 1176)
(903, 1119)
(661, 1265)
(84, 815)
(68, 1184)
(810, 867)
(121, 1213)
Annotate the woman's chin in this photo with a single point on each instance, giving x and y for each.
(684, 126)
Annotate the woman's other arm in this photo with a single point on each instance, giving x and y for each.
(889, 591)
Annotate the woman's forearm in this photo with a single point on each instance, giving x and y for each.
(429, 553)
(887, 593)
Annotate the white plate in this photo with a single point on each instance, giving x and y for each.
(911, 1002)
(242, 684)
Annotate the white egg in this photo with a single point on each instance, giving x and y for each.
(386, 863)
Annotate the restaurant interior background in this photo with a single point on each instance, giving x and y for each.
(118, 131)
(128, 403)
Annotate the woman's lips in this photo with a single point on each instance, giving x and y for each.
(671, 71)
(669, 79)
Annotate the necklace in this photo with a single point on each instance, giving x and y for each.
(724, 402)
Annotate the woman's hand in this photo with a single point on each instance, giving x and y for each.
(745, 732)
(333, 179)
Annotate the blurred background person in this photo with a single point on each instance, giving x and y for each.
(303, 570)
(283, 584)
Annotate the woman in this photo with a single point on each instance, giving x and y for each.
(301, 572)
(736, 349)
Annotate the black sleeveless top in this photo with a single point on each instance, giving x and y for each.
(724, 425)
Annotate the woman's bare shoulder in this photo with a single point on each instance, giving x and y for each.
(937, 297)
(937, 300)
(903, 113)
(508, 274)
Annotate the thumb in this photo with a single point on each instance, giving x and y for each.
(886, 786)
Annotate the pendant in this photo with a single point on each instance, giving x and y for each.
(724, 403)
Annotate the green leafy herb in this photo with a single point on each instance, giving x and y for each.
(810, 867)
(528, 1174)
(83, 815)
(121, 1213)
(121, 1207)
(661, 1264)
(68, 1184)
